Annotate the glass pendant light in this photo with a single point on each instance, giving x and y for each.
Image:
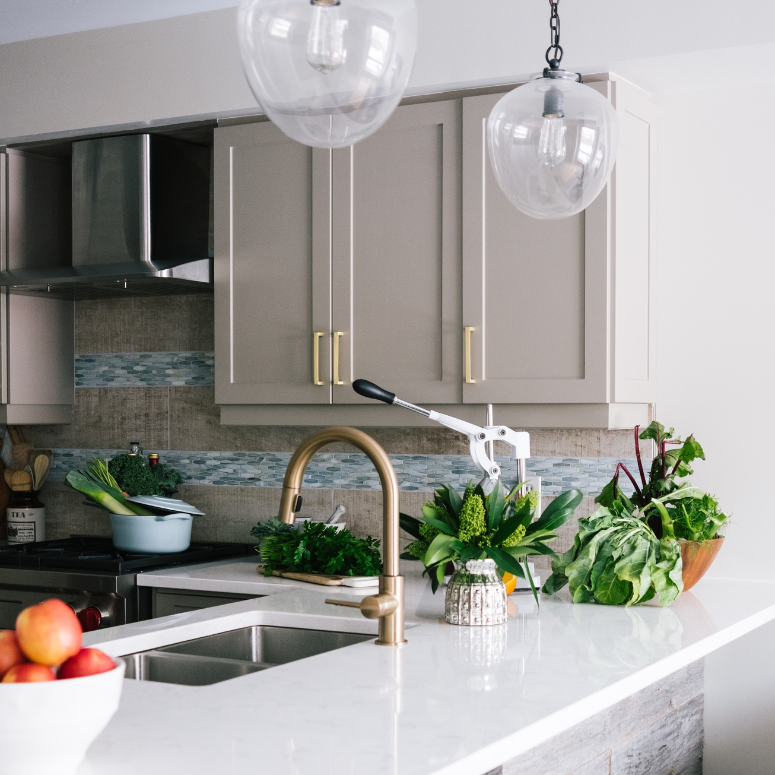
(552, 141)
(328, 72)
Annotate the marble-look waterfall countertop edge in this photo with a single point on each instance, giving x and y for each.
(354, 471)
(452, 701)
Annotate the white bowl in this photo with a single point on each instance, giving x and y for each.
(46, 727)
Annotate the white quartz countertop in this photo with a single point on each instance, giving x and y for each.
(239, 576)
(454, 700)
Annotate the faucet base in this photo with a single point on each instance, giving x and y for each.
(391, 627)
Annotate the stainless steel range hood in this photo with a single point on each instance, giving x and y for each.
(140, 221)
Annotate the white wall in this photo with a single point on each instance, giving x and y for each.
(188, 65)
(717, 371)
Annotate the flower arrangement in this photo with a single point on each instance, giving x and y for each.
(499, 526)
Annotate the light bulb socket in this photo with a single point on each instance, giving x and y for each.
(566, 75)
(554, 103)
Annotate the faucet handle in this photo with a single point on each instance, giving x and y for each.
(373, 606)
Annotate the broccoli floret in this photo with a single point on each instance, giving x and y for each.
(133, 476)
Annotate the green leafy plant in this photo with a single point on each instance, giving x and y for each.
(616, 559)
(168, 480)
(271, 527)
(134, 477)
(321, 549)
(672, 508)
(629, 549)
(499, 526)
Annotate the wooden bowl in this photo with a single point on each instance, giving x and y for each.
(697, 557)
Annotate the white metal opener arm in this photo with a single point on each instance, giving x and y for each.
(477, 436)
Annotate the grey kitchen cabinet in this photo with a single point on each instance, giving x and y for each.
(36, 333)
(166, 602)
(272, 268)
(334, 266)
(559, 312)
(396, 257)
(399, 260)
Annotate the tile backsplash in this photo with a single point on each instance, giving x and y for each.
(144, 371)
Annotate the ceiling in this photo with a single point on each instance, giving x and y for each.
(26, 19)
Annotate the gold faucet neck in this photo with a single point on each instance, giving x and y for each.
(391, 624)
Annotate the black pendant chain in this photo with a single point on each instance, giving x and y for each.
(554, 52)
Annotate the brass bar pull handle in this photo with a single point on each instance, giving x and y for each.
(469, 379)
(337, 336)
(316, 358)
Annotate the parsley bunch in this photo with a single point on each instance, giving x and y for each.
(321, 548)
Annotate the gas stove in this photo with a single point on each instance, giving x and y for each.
(97, 580)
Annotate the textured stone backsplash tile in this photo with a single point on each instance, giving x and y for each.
(151, 369)
(145, 324)
(354, 471)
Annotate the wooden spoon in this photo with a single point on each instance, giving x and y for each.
(40, 470)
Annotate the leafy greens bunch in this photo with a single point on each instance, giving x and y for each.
(134, 477)
(672, 508)
(629, 549)
(476, 526)
(321, 549)
(616, 559)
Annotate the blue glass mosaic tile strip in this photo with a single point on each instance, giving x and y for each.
(353, 471)
(144, 369)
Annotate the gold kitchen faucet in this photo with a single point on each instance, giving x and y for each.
(388, 604)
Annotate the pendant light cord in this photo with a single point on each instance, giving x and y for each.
(554, 52)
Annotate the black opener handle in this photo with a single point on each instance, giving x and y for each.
(369, 390)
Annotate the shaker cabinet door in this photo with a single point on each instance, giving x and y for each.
(272, 268)
(397, 258)
(535, 315)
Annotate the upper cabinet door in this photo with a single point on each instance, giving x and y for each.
(272, 268)
(397, 257)
(557, 311)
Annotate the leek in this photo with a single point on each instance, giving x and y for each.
(104, 495)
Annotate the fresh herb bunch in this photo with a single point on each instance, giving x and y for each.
(134, 477)
(321, 549)
(617, 559)
(263, 530)
(168, 480)
(477, 526)
(672, 508)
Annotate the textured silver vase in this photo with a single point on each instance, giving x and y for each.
(476, 595)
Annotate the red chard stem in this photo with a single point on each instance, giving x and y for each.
(637, 454)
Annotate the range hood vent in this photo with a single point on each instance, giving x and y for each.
(140, 209)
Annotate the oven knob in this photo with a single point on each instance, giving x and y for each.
(90, 618)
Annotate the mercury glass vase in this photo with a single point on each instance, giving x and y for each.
(476, 595)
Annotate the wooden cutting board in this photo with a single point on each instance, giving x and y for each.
(312, 578)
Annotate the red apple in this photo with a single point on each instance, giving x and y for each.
(28, 672)
(10, 653)
(49, 632)
(86, 662)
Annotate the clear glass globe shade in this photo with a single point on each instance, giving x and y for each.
(328, 74)
(552, 153)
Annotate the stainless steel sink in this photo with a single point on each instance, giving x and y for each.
(232, 654)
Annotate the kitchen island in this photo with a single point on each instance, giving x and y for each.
(454, 700)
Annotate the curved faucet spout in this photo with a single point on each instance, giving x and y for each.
(391, 624)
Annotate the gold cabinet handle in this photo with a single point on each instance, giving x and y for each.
(469, 379)
(337, 336)
(316, 358)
